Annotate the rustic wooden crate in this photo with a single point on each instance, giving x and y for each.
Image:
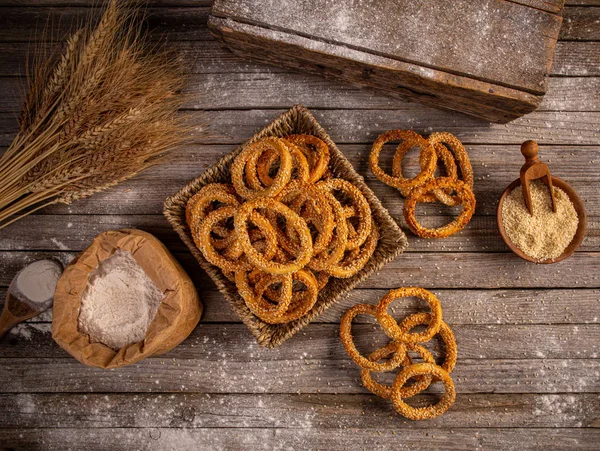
(486, 58)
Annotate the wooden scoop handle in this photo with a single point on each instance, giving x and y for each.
(7, 322)
(534, 169)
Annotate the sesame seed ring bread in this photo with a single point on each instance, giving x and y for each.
(464, 193)
(316, 152)
(356, 259)
(302, 301)
(348, 341)
(254, 150)
(446, 334)
(292, 220)
(231, 261)
(421, 382)
(259, 166)
(256, 302)
(429, 412)
(389, 324)
(428, 159)
(359, 201)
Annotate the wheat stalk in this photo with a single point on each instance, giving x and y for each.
(99, 114)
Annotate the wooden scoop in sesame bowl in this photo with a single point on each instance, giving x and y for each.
(541, 218)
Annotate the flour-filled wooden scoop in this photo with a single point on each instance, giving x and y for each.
(30, 293)
(534, 169)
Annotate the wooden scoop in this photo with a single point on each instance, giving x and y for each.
(18, 306)
(534, 169)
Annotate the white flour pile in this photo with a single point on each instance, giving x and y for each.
(119, 303)
(35, 284)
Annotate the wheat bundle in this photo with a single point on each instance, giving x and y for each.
(96, 115)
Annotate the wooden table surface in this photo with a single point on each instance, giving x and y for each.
(528, 373)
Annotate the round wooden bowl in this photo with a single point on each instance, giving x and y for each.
(581, 228)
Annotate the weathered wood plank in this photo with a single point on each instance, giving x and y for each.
(572, 58)
(279, 90)
(75, 232)
(29, 24)
(145, 194)
(321, 341)
(241, 373)
(532, 306)
(189, 23)
(307, 438)
(580, 23)
(363, 126)
(429, 270)
(193, 410)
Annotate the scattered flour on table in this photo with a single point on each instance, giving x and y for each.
(119, 302)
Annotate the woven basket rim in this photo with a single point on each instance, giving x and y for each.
(392, 243)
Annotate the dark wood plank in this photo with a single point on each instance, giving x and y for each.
(456, 270)
(552, 6)
(572, 58)
(188, 23)
(446, 37)
(265, 439)
(506, 306)
(576, 59)
(495, 166)
(352, 126)
(279, 90)
(30, 24)
(580, 23)
(75, 232)
(193, 411)
(240, 372)
(321, 341)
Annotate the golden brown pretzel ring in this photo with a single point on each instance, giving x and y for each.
(361, 203)
(348, 342)
(318, 158)
(464, 193)
(301, 302)
(429, 412)
(443, 155)
(232, 261)
(422, 319)
(255, 149)
(428, 157)
(389, 324)
(329, 257)
(305, 192)
(421, 382)
(356, 259)
(255, 258)
(259, 166)
(255, 301)
(460, 154)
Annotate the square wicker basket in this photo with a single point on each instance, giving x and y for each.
(391, 244)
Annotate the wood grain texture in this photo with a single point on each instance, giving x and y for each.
(486, 45)
(321, 342)
(469, 307)
(457, 270)
(263, 439)
(26, 24)
(268, 90)
(572, 58)
(363, 126)
(239, 372)
(191, 411)
(75, 232)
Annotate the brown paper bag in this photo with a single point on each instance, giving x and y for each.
(177, 315)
